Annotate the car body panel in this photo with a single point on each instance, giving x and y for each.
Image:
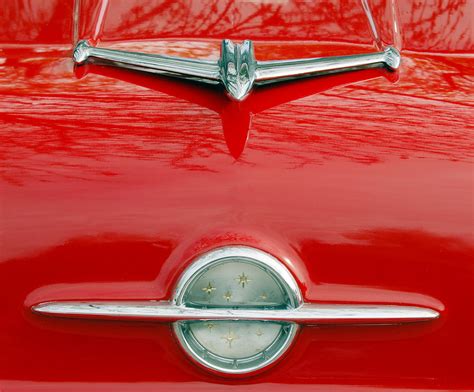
(112, 181)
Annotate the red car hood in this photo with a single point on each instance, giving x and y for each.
(112, 180)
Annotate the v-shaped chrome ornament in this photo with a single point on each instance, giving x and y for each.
(237, 69)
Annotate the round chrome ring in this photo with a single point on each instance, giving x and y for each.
(185, 331)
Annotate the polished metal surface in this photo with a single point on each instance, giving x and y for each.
(237, 69)
(202, 70)
(309, 314)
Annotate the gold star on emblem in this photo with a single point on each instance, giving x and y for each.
(229, 338)
(210, 326)
(209, 289)
(243, 279)
(259, 332)
(227, 296)
(264, 296)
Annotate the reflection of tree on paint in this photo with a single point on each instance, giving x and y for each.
(31, 21)
(50, 125)
(432, 25)
(438, 25)
(53, 124)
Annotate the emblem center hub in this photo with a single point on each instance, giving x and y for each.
(236, 278)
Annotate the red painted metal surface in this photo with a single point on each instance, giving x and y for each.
(112, 181)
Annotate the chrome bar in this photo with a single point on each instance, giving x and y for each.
(309, 314)
(204, 70)
(274, 71)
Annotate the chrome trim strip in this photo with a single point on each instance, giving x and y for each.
(271, 71)
(373, 26)
(237, 69)
(75, 21)
(204, 70)
(309, 314)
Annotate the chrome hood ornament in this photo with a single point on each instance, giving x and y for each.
(237, 69)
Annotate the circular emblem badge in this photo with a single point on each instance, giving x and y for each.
(236, 278)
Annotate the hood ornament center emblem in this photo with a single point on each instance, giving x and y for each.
(237, 69)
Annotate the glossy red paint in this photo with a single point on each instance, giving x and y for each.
(111, 182)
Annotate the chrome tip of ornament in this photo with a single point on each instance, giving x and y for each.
(392, 58)
(82, 52)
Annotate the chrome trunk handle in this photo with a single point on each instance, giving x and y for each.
(307, 313)
(238, 292)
